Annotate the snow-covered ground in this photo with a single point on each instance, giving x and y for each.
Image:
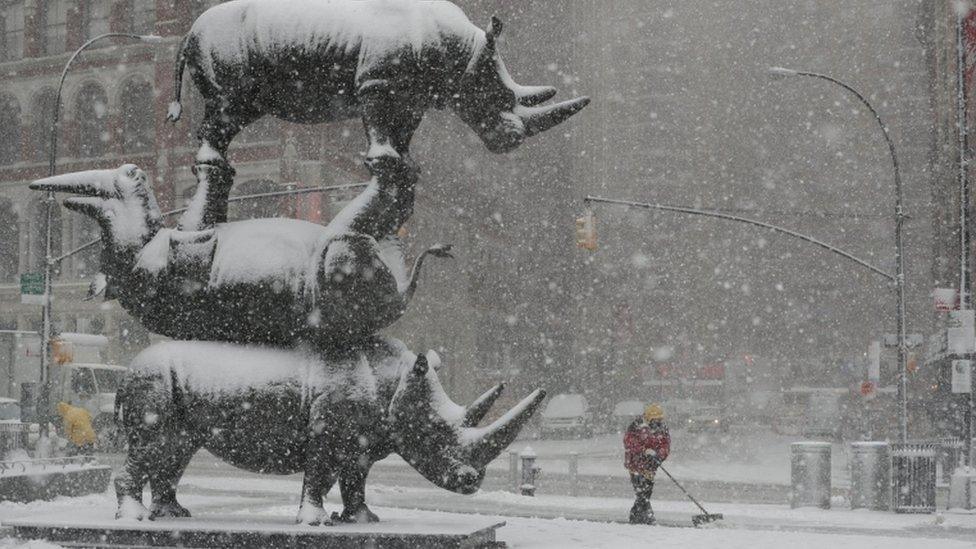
(752, 527)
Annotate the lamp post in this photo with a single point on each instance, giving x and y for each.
(780, 72)
(49, 262)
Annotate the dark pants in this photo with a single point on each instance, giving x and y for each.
(641, 512)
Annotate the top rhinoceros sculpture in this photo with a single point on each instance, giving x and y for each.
(314, 61)
(272, 281)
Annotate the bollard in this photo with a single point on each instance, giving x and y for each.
(962, 489)
(513, 474)
(870, 476)
(913, 477)
(810, 474)
(529, 472)
(574, 474)
(951, 455)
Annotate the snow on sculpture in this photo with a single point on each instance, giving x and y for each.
(314, 61)
(331, 417)
(271, 281)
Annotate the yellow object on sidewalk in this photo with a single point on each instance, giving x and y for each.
(77, 424)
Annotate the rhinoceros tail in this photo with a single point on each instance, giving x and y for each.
(176, 108)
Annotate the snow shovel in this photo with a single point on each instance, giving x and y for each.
(696, 520)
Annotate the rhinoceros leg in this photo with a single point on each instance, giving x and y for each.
(352, 486)
(321, 463)
(222, 121)
(129, 483)
(166, 477)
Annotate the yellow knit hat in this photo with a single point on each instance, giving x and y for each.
(653, 411)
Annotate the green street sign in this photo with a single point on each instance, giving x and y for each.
(32, 288)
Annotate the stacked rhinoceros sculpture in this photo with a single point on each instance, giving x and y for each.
(291, 376)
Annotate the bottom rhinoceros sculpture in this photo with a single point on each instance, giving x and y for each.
(271, 410)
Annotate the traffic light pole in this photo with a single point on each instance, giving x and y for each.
(729, 217)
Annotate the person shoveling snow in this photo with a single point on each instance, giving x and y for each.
(647, 443)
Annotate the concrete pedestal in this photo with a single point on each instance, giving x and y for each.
(47, 479)
(962, 489)
(91, 528)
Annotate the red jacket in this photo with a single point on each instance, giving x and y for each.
(641, 437)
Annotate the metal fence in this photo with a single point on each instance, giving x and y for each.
(13, 436)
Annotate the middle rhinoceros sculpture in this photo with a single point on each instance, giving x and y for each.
(266, 281)
(285, 411)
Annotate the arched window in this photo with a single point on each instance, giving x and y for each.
(12, 31)
(9, 241)
(257, 208)
(137, 125)
(92, 116)
(94, 18)
(86, 264)
(42, 115)
(38, 233)
(265, 128)
(10, 131)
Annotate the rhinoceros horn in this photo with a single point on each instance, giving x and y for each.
(433, 432)
(479, 408)
(540, 119)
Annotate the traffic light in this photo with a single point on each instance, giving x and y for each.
(586, 231)
(62, 352)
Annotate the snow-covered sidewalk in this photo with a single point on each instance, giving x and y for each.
(753, 517)
(746, 526)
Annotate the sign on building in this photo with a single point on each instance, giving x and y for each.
(946, 299)
(961, 332)
(32, 288)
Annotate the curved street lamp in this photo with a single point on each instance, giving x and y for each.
(48, 260)
(780, 72)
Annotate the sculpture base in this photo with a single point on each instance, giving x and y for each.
(91, 528)
(49, 482)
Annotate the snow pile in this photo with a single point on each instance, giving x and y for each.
(364, 30)
(223, 368)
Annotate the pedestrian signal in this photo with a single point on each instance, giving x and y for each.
(586, 231)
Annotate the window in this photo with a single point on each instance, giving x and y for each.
(9, 241)
(53, 16)
(138, 16)
(263, 129)
(38, 234)
(92, 116)
(12, 27)
(94, 18)
(108, 380)
(137, 125)
(42, 115)
(82, 381)
(10, 130)
(257, 208)
(87, 263)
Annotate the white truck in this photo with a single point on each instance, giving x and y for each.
(78, 375)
